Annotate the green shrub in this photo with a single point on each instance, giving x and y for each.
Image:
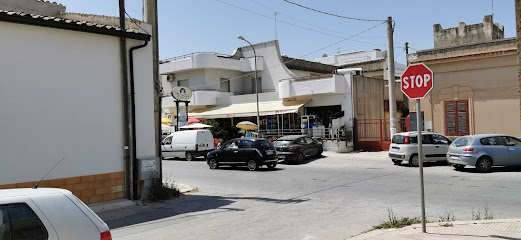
(162, 191)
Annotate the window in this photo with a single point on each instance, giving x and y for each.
(440, 139)
(398, 139)
(457, 118)
(462, 141)
(167, 141)
(510, 141)
(20, 222)
(491, 141)
(309, 140)
(426, 139)
(246, 144)
(182, 83)
(265, 144)
(231, 145)
(225, 85)
(301, 141)
(259, 83)
(5, 229)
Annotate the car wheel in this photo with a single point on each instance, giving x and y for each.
(458, 166)
(252, 165)
(189, 156)
(397, 162)
(212, 163)
(272, 166)
(414, 161)
(484, 164)
(300, 158)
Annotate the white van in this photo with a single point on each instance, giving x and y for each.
(187, 144)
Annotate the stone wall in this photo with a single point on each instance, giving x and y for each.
(467, 34)
(44, 8)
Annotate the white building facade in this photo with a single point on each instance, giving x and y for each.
(295, 96)
(62, 98)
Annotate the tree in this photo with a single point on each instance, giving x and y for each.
(216, 128)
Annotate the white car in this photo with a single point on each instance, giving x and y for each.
(48, 213)
(404, 147)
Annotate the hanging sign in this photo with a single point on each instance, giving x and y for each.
(182, 93)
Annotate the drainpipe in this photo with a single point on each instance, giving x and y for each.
(124, 92)
(133, 118)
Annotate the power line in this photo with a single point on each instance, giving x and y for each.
(296, 19)
(334, 15)
(294, 59)
(306, 28)
(131, 19)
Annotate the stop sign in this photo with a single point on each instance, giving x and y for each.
(417, 81)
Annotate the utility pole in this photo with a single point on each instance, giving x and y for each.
(150, 17)
(127, 138)
(518, 44)
(390, 71)
(407, 53)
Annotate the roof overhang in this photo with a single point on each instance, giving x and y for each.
(248, 109)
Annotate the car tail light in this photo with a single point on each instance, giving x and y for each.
(293, 148)
(106, 236)
(468, 149)
(196, 147)
(406, 141)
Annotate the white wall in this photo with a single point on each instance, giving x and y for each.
(60, 96)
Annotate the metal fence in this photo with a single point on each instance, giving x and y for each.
(322, 133)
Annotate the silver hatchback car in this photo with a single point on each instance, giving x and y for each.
(404, 147)
(484, 151)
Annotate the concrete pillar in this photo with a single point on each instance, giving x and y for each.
(518, 44)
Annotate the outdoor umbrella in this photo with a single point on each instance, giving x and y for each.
(246, 125)
(165, 120)
(194, 120)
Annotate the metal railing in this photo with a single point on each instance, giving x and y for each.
(253, 91)
(308, 78)
(190, 55)
(324, 133)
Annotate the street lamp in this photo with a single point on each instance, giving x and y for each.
(256, 84)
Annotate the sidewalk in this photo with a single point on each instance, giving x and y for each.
(476, 229)
(125, 203)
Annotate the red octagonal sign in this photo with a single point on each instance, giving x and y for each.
(417, 81)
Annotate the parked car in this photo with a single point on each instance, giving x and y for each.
(48, 213)
(294, 148)
(250, 152)
(484, 151)
(404, 147)
(188, 144)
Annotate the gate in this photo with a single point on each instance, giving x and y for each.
(374, 134)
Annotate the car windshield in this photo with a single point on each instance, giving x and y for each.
(462, 141)
(282, 142)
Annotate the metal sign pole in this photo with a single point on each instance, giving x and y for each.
(177, 115)
(420, 160)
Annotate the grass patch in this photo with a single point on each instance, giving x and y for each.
(487, 214)
(162, 191)
(446, 219)
(394, 222)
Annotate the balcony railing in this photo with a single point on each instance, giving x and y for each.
(253, 91)
(190, 55)
(308, 78)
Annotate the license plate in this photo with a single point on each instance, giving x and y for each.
(269, 152)
(454, 157)
(282, 156)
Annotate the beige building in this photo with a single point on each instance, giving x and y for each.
(475, 80)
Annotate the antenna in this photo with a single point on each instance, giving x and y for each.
(36, 186)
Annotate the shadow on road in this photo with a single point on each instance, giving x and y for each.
(426, 164)
(470, 169)
(306, 160)
(187, 205)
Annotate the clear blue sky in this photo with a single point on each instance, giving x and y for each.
(187, 26)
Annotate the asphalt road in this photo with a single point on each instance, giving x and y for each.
(333, 197)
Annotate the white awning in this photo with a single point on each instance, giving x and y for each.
(248, 109)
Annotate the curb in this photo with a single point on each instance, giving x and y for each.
(111, 205)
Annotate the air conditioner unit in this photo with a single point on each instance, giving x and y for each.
(170, 78)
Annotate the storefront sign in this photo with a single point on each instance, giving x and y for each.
(182, 93)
